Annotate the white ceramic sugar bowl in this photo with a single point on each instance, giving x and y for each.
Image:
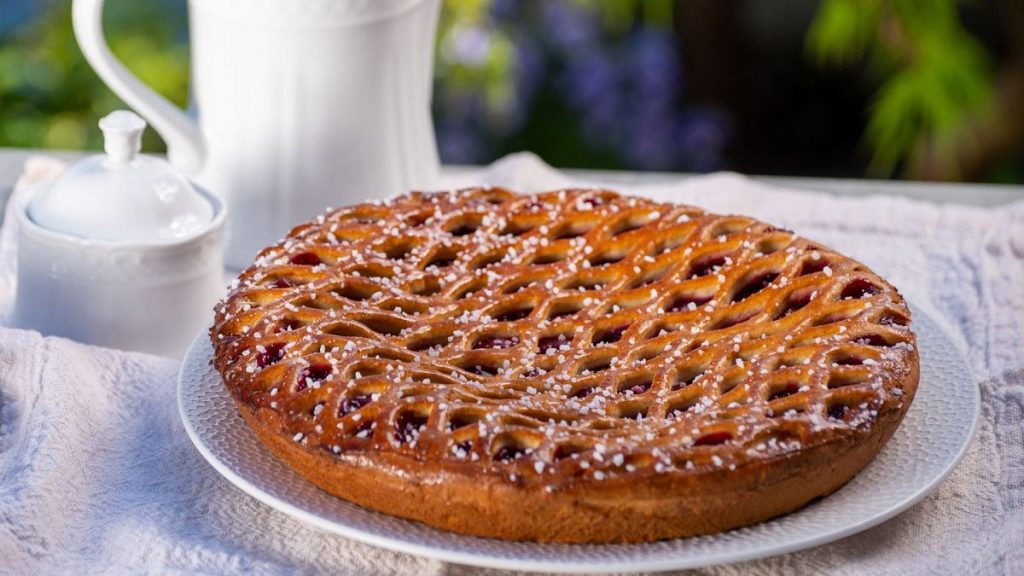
(120, 250)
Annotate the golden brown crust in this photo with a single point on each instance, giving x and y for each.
(714, 372)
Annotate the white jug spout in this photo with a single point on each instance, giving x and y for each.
(185, 145)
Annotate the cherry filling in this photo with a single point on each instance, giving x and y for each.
(593, 202)
(442, 261)
(611, 336)
(685, 379)
(513, 314)
(871, 340)
(705, 265)
(305, 259)
(787, 390)
(848, 361)
(562, 313)
(495, 342)
(859, 288)
(350, 405)
(713, 439)
(793, 303)
(398, 252)
(683, 301)
(891, 319)
(638, 388)
(509, 453)
(364, 429)
(551, 343)
(482, 370)
(754, 285)
(533, 372)
(312, 374)
(409, 426)
(838, 411)
(605, 259)
(812, 266)
(287, 325)
(460, 421)
(271, 355)
(566, 451)
(283, 283)
(582, 392)
(463, 230)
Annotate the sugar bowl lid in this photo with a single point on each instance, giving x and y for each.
(122, 196)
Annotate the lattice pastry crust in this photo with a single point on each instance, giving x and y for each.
(574, 366)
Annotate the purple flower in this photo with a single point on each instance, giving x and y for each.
(468, 46)
(627, 92)
(570, 26)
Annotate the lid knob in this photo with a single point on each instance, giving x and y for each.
(122, 135)
(122, 196)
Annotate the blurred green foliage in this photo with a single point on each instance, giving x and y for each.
(51, 98)
(933, 76)
(492, 72)
(621, 15)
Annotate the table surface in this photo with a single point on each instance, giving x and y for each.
(981, 503)
(12, 160)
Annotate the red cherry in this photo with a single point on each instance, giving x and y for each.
(713, 439)
(305, 259)
(313, 373)
(271, 355)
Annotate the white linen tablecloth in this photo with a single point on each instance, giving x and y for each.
(98, 476)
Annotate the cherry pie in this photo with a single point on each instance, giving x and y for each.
(574, 366)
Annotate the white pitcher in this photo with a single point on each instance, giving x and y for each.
(296, 105)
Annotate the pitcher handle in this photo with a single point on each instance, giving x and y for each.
(185, 146)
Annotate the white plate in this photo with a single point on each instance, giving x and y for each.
(924, 450)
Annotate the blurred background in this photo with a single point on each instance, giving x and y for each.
(915, 89)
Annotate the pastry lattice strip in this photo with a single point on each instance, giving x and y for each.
(576, 332)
